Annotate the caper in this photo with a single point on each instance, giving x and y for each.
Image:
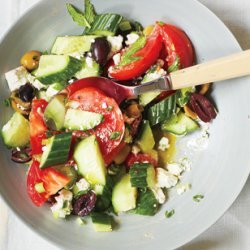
(30, 60)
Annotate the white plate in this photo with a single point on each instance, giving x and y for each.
(219, 172)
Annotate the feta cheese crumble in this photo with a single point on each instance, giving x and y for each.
(163, 144)
(89, 62)
(82, 185)
(63, 205)
(132, 38)
(175, 168)
(182, 188)
(115, 43)
(159, 195)
(164, 179)
(117, 58)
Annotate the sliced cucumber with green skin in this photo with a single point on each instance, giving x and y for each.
(163, 110)
(88, 70)
(70, 172)
(146, 138)
(57, 68)
(57, 150)
(15, 132)
(101, 222)
(142, 175)
(69, 45)
(147, 204)
(124, 195)
(105, 25)
(90, 162)
(54, 114)
(76, 119)
(180, 124)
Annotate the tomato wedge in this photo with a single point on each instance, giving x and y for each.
(177, 44)
(52, 181)
(140, 158)
(37, 125)
(148, 54)
(93, 100)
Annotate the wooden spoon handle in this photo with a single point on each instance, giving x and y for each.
(224, 68)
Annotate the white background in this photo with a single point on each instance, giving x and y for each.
(231, 232)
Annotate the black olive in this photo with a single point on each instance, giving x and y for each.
(84, 204)
(100, 50)
(26, 92)
(21, 155)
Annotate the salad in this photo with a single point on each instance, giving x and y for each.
(88, 156)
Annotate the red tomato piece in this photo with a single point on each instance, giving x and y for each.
(52, 181)
(37, 125)
(140, 158)
(178, 44)
(149, 54)
(93, 100)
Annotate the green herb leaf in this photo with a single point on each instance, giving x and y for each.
(175, 65)
(169, 214)
(114, 135)
(77, 16)
(129, 55)
(184, 95)
(89, 11)
(6, 102)
(109, 108)
(198, 197)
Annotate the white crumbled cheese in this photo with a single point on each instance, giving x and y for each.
(82, 185)
(159, 195)
(89, 62)
(117, 58)
(16, 78)
(200, 142)
(115, 43)
(175, 168)
(63, 205)
(104, 105)
(182, 188)
(164, 179)
(186, 164)
(44, 148)
(135, 150)
(132, 38)
(157, 74)
(163, 144)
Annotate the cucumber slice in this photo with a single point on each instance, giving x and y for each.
(57, 68)
(70, 45)
(76, 119)
(55, 113)
(57, 150)
(147, 204)
(88, 69)
(124, 195)
(15, 132)
(180, 124)
(89, 160)
(142, 175)
(163, 110)
(101, 222)
(105, 25)
(146, 139)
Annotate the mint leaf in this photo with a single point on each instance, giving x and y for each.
(89, 11)
(129, 55)
(77, 16)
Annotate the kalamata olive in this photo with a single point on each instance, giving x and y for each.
(21, 155)
(30, 60)
(100, 50)
(84, 204)
(26, 92)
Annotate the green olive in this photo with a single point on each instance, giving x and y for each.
(30, 60)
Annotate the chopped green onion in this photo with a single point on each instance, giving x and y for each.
(39, 187)
(198, 197)
(170, 213)
(114, 135)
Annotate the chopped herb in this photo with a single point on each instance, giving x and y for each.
(175, 65)
(89, 11)
(114, 135)
(110, 108)
(198, 197)
(6, 102)
(169, 214)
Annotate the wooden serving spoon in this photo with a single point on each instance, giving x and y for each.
(224, 68)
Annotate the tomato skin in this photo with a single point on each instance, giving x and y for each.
(140, 158)
(149, 54)
(52, 181)
(37, 126)
(93, 100)
(176, 44)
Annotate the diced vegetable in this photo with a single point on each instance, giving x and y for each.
(89, 68)
(101, 222)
